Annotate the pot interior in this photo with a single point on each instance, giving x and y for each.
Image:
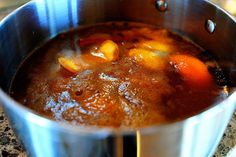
(38, 21)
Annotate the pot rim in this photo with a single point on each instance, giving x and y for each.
(35, 118)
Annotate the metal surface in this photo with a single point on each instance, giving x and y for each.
(38, 21)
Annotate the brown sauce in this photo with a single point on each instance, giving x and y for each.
(129, 90)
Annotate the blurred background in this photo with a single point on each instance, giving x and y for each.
(229, 5)
(6, 4)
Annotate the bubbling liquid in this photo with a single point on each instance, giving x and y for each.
(117, 75)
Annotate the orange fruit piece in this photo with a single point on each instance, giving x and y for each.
(69, 65)
(193, 70)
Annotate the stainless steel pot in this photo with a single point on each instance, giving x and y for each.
(38, 21)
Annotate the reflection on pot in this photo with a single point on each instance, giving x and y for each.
(229, 5)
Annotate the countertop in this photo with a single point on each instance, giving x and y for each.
(11, 147)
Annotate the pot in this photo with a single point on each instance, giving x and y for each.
(33, 24)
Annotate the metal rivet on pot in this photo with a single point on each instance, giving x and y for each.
(210, 26)
(161, 5)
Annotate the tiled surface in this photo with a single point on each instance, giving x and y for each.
(10, 147)
(229, 139)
